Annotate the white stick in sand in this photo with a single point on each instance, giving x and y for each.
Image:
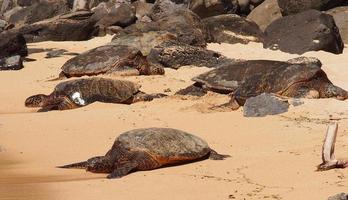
(328, 152)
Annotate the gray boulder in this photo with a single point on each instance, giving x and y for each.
(231, 28)
(340, 14)
(11, 63)
(265, 14)
(289, 7)
(263, 105)
(310, 30)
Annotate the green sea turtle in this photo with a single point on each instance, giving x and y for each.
(121, 59)
(299, 77)
(147, 149)
(80, 92)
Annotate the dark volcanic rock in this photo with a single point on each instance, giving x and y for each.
(174, 55)
(122, 16)
(70, 27)
(186, 25)
(265, 14)
(142, 9)
(340, 15)
(208, 8)
(164, 8)
(38, 12)
(289, 7)
(232, 29)
(264, 104)
(12, 44)
(11, 63)
(310, 31)
(341, 196)
(144, 42)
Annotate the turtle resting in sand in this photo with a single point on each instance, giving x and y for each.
(148, 149)
(121, 59)
(80, 92)
(299, 77)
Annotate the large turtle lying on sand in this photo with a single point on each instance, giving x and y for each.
(80, 92)
(121, 59)
(147, 149)
(300, 77)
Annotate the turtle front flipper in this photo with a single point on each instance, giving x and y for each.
(232, 105)
(66, 104)
(122, 170)
(141, 96)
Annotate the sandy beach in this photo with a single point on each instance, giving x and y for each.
(274, 157)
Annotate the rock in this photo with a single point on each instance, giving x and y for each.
(264, 104)
(164, 8)
(340, 14)
(75, 26)
(114, 30)
(122, 16)
(208, 8)
(175, 55)
(310, 31)
(55, 53)
(12, 44)
(186, 25)
(144, 42)
(230, 28)
(265, 14)
(142, 9)
(11, 63)
(289, 7)
(341, 196)
(29, 15)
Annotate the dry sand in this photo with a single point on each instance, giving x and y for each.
(272, 157)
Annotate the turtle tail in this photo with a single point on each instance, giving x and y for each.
(79, 165)
(215, 156)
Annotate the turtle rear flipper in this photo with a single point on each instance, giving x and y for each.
(232, 104)
(215, 156)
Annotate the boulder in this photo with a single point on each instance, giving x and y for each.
(263, 105)
(12, 44)
(208, 8)
(164, 8)
(231, 28)
(265, 14)
(310, 30)
(11, 63)
(289, 7)
(186, 25)
(70, 27)
(340, 14)
(39, 11)
(142, 9)
(122, 16)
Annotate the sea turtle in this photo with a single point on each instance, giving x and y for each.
(110, 58)
(80, 92)
(299, 77)
(147, 149)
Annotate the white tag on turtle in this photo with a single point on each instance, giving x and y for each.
(76, 97)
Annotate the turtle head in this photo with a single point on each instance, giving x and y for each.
(333, 91)
(99, 164)
(38, 100)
